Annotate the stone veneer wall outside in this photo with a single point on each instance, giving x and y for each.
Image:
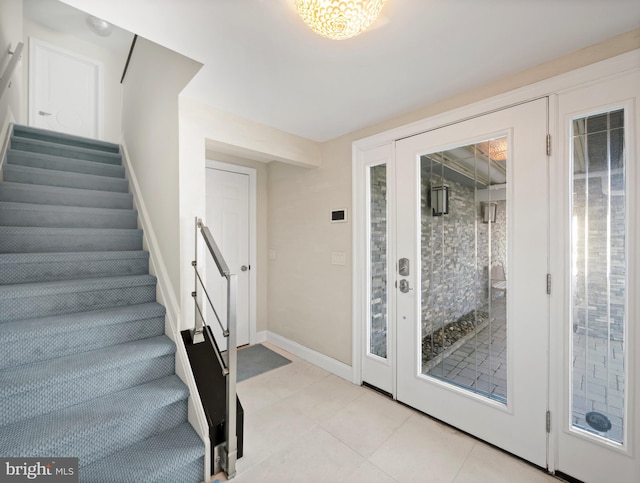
(378, 265)
(599, 258)
(461, 284)
(455, 278)
(498, 255)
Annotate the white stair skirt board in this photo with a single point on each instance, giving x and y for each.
(167, 296)
(327, 363)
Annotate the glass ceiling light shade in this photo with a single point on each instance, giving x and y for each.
(339, 19)
(496, 149)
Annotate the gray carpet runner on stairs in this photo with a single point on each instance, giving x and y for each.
(86, 369)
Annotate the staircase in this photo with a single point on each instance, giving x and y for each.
(85, 368)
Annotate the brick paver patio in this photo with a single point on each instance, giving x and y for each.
(480, 363)
(598, 372)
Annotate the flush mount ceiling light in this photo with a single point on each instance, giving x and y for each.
(496, 149)
(339, 19)
(98, 26)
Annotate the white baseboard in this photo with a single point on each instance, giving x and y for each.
(327, 363)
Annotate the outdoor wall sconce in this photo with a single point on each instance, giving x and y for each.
(439, 199)
(489, 212)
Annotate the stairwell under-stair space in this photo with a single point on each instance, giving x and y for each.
(86, 370)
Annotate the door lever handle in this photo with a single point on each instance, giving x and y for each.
(404, 286)
(42, 113)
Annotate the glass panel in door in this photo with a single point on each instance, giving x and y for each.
(377, 331)
(464, 266)
(598, 261)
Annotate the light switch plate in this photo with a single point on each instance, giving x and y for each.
(338, 258)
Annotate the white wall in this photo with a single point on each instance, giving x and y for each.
(206, 129)
(11, 26)
(309, 298)
(150, 132)
(113, 63)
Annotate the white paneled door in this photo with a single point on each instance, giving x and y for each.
(228, 218)
(472, 306)
(64, 90)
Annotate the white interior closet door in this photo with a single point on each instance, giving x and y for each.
(227, 216)
(64, 90)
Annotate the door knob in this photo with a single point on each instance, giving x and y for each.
(404, 286)
(244, 268)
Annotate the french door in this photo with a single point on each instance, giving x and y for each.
(472, 305)
(500, 290)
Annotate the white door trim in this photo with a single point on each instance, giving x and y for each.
(36, 43)
(253, 230)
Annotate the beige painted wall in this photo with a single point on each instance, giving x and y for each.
(309, 298)
(112, 62)
(205, 130)
(155, 77)
(11, 27)
(260, 264)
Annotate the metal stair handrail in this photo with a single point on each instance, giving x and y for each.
(5, 80)
(229, 370)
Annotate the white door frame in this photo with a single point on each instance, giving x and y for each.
(35, 44)
(361, 155)
(252, 173)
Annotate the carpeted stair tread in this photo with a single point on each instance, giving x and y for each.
(39, 299)
(101, 426)
(32, 340)
(29, 214)
(56, 195)
(72, 286)
(28, 377)
(45, 239)
(29, 132)
(57, 149)
(60, 163)
(87, 369)
(46, 267)
(41, 387)
(66, 179)
(146, 461)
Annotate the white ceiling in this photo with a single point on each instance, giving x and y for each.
(261, 62)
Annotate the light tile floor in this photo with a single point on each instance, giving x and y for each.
(306, 425)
